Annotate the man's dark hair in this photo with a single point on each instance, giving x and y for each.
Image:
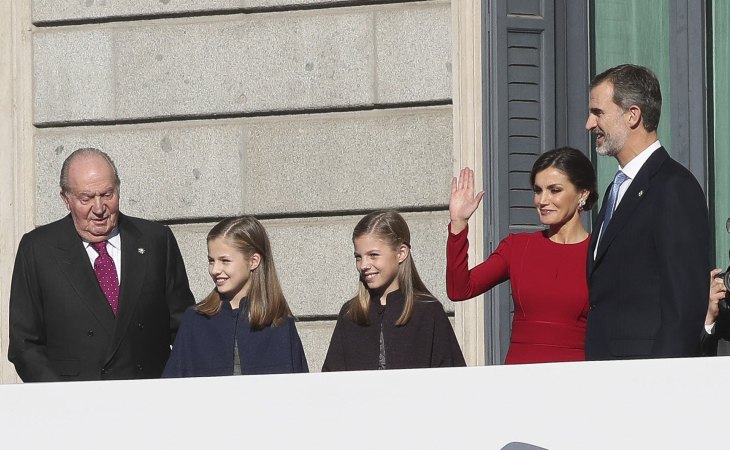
(635, 85)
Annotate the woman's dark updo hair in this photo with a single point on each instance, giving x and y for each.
(575, 165)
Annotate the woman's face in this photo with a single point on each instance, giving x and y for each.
(230, 269)
(556, 197)
(378, 263)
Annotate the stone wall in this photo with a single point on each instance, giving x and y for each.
(306, 114)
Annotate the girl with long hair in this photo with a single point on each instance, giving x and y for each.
(244, 326)
(393, 322)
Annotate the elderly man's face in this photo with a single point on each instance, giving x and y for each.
(93, 199)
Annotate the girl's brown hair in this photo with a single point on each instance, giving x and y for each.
(389, 226)
(266, 303)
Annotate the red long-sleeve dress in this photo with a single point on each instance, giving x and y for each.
(549, 290)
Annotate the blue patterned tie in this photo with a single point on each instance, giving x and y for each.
(618, 180)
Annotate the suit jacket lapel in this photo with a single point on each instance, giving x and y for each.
(633, 196)
(596, 231)
(74, 264)
(134, 267)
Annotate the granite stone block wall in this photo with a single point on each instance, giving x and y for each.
(307, 114)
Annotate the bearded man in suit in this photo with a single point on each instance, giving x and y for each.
(96, 295)
(649, 254)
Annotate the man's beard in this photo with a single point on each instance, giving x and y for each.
(612, 144)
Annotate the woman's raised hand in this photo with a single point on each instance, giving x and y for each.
(463, 202)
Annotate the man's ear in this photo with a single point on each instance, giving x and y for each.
(66, 201)
(403, 252)
(254, 261)
(634, 113)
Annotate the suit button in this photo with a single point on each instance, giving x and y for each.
(103, 371)
(90, 333)
(139, 367)
(592, 307)
(140, 326)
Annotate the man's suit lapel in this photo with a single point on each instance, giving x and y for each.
(635, 194)
(74, 264)
(134, 267)
(596, 231)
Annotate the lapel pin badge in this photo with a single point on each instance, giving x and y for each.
(641, 193)
(141, 251)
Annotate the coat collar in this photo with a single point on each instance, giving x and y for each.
(226, 306)
(393, 298)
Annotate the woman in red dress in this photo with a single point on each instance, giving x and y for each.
(547, 269)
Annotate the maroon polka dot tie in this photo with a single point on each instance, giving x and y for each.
(106, 273)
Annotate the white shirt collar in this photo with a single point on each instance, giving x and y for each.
(113, 239)
(633, 167)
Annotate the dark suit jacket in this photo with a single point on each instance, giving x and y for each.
(648, 283)
(61, 325)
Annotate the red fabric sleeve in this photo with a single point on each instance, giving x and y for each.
(462, 283)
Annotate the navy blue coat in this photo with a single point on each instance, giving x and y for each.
(204, 345)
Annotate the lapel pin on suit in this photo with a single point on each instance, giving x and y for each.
(641, 193)
(141, 251)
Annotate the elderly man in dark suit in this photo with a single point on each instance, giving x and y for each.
(96, 295)
(649, 255)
